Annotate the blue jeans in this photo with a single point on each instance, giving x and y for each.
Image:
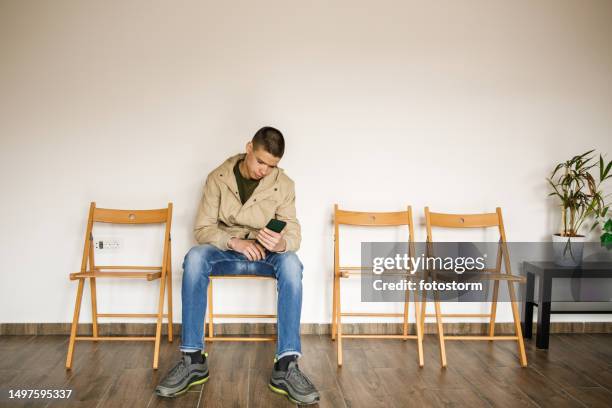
(205, 260)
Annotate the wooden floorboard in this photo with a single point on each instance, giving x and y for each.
(575, 372)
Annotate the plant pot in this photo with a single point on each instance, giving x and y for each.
(567, 251)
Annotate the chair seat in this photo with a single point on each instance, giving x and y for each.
(241, 277)
(120, 274)
(346, 271)
(480, 275)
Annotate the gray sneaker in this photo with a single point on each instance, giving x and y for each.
(182, 376)
(294, 385)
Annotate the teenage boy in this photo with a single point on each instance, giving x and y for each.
(240, 197)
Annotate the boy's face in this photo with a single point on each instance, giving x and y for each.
(259, 163)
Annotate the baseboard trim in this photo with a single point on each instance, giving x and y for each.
(148, 329)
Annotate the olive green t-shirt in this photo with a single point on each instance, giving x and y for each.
(245, 186)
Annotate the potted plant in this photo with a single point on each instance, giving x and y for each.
(581, 200)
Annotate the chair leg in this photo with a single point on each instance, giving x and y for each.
(170, 322)
(440, 332)
(210, 309)
(406, 311)
(493, 309)
(423, 311)
(75, 323)
(419, 332)
(334, 303)
(338, 322)
(424, 303)
(517, 326)
(160, 313)
(94, 306)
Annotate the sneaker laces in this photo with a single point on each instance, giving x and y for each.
(295, 375)
(179, 370)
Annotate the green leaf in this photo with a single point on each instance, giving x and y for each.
(555, 188)
(559, 166)
(606, 174)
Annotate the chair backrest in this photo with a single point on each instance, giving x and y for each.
(131, 216)
(482, 220)
(370, 219)
(115, 216)
(380, 219)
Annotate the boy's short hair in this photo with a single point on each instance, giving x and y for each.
(271, 140)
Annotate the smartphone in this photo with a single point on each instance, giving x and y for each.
(276, 225)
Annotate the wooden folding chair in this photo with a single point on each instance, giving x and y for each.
(484, 220)
(150, 273)
(211, 333)
(371, 219)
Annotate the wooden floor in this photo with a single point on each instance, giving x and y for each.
(575, 372)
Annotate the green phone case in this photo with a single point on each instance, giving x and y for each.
(276, 225)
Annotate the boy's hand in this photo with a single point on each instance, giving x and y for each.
(272, 241)
(248, 247)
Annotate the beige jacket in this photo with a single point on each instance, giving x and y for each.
(221, 215)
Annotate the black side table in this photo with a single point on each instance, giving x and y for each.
(546, 272)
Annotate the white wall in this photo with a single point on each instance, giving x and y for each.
(462, 106)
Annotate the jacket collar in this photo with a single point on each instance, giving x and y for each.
(225, 174)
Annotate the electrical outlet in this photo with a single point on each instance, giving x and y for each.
(108, 243)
